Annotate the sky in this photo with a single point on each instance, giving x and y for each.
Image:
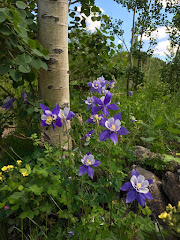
(115, 10)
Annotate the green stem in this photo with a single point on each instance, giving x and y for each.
(7, 153)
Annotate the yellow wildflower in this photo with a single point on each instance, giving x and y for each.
(170, 206)
(25, 174)
(19, 162)
(163, 215)
(0, 173)
(4, 168)
(10, 166)
(179, 205)
(1, 178)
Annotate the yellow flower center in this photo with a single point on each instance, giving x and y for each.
(96, 84)
(138, 185)
(49, 120)
(113, 127)
(88, 162)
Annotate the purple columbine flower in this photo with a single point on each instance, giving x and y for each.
(8, 103)
(95, 118)
(48, 117)
(138, 187)
(133, 119)
(90, 102)
(88, 160)
(102, 81)
(95, 86)
(130, 93)
(114, 126)
(66, 114)
(112, 84)
(71, 233)
(104, 90)
(104, 103)
(88, 135)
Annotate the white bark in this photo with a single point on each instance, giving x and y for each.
(53, 35)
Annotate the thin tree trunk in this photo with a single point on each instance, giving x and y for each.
(130, 52)
(53, 35)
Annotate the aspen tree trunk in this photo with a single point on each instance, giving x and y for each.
(53, 35)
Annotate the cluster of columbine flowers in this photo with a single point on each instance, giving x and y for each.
(56, 117)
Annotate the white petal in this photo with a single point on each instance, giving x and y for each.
(141, 179)
(133, 180)
(66, 111)
(143, 190)
(145, 184)
(43, 117)
(48, 112)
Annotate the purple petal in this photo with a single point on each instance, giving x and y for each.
(102, 121)
(105, 111)
(89, 84)
(126, 187)
(113, 107)
(44, 108)
(114, 137)
(134, 172)
(88, 153)
(43, 123)
(56, 109)
(53, 125)
(140, 198)
(96, 164)
(82, 170)
(90, 120)
(107, 98)
(90, 172)
(104, 135)
(92, 131)
(58, 122)
(117, 116)
(148, 196)
(131, 195)
(122, 131)
(99, 90)
(96, 109)
(97, 101)
(89, 107)
(70, 115)
(150, 181)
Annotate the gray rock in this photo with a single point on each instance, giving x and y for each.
(143, 153)
(171, 187)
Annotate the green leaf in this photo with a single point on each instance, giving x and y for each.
(173, 130)
(36, 190)
(24, 69)
(149, 139)
(21, 4)
(169, 158)
(2, 17)
(5, 30)
(23, 215)
(158, 121)
(31, 43)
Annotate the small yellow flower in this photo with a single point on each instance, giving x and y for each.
(19, 162)
(179, 205)
(163, 215)
(25, 174)
(0, 178)
(0, 173)
(10, 166)
(4, 168)
(170, 206)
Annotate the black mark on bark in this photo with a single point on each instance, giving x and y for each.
(58, 50)
(51, 61)
(64, 105)
(50, 86)
(67, 72)
(56, 19)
